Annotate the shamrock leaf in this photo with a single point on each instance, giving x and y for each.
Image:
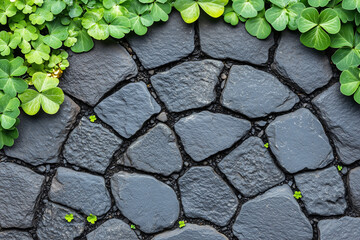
(91, 219)
(42, 14)
(75, 10)
(132, 226)
(92, 118)
(9, 71)
(181, 224)
(8, 41)
(318, 3)
(351, 4)
(57, 34)
(79, 40)
(258, 26)
(248, 8)
(160, 11)
(315, 27)
(27, 32)
(27, 6)
(297, 195)
(69, 217)
(7, 136)
(266, 145)
(339, 168)
(57, 6)
(48, 95)
(7, 9)
(9, 108)
(230, 16)
(350, 82)
(59, 59)
(40, 53)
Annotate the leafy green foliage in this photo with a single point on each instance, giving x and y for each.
(266, 145)
(69, 217)
(350, 82)
(339, 168)
(297, 195)
(92, 118)
(132, 226)
(91, 219)
(181, 224)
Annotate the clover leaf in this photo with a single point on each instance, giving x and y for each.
(248, 8)
(48, 95)
(91, 219)
(315, 27)
(10, 70)
(350, 82)
(132, 226)
(79, 40)
(160, 10)
(351, 4)
(7, 136)
(27, 32)
(297, 195)
(42, 14)
(27, 6)
(57, 34)
(9, 109)
(8, 41)
(92, 118)
(318, 3)
(57, 6)
(39, 53)
(7, 9)
(69, 217)
(339, 168)
(181, 224)
(258, 26)
(266, 145)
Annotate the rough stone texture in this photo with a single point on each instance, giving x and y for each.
(341, 115)
(92, 74)
(223, 41)
(308, 68)
(250, 168)
(323, 192)
(91, 146)
(128, 109)
(204, 134)
(156, 152)
(49, 132)
(256, 93)
(193, 232)
(354, 187)
(188, 85)
(19, 190)
(205, 195)
(345, 228)
(80, 191)
(53, 226)
(112, 229)
(15, 235)
(273, 215)
(145, 201)
(299, 142)
(164, 42)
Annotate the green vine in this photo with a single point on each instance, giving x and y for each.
(35, 33)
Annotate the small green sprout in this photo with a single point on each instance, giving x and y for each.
(92, 118)
(91, 219)
(266, 145)
(297, 195)
(339, 167)
(181, 224)
(132, 226)
(69, 217)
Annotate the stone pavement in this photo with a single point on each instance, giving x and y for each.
(199, 123)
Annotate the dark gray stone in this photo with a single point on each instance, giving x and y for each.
(91, 146)
(193, 232)
(53, 225)
(204, 134)
(341, 115)
(145, 201)
(112, 229)
(223, 41)
(273, 215)
(354, 187)
(156, 152)
(188, 85)
(205, 195)
(42, 135)
(128, 109)
(250, 168)
(345, 228)
(80, 191)
(308, 68)
(19, 190)
(256, 93)
(323, 192)
(164, 42)
(92, 74)
(299, 142)
(15, 235)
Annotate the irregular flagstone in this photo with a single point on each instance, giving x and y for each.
(156, 152)
(256, 93)
(145, 201)
(205, 195)
(53, 225)
(223, 41)
(80, 191)
(345, 228)
(19, 191)
(299, 142)
(193, 232)
(15, 235)
(341, 115)
(92, 74)
(273, 215)
(42, 135)
(188, 85)
(204, 134)
(323, 192)
(91, 146)
(128, 109)
(112, 229)
(250, 168)
(308, 68)
(354, 187)
(164, 42)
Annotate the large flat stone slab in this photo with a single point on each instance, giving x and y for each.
(19, 190)
(299, 142)
(188, 85)
(92, 74)
(273, 215)
(112, 229)
(204, 134)
(345, 228)
(164, 42)
(354, 187)
(128, 109)
(42, 135)
(341, 115)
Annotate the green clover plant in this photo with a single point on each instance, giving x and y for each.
(91, 219)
